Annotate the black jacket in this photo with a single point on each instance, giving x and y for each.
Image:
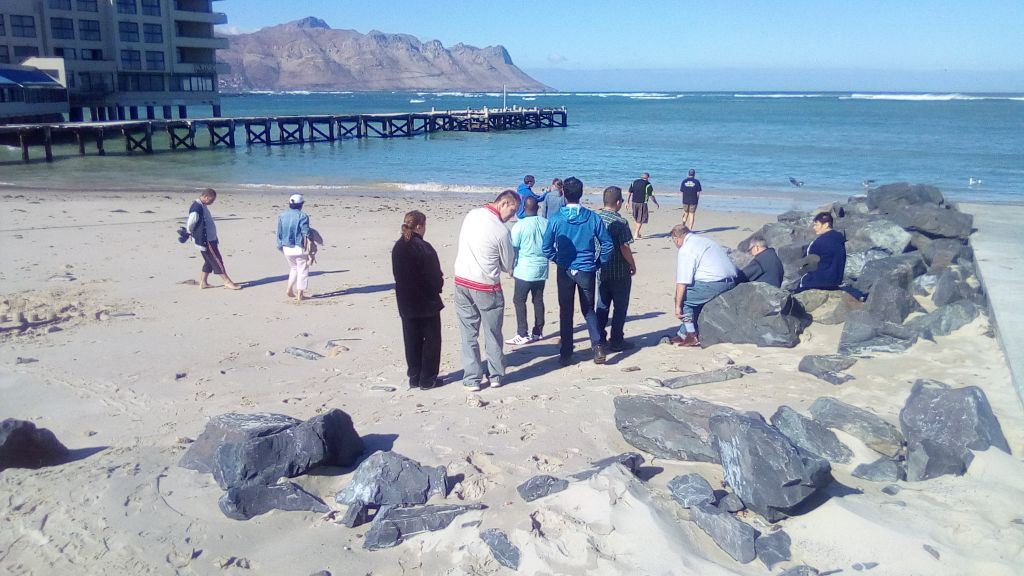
(765, 267)
(830, 248)
(418, 278)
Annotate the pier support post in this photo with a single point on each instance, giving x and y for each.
(99, 143)
(24, 146)
(216, 111)
(48, 144)
(150, 112)
(167, 112)
(182, 112)
(81, 142)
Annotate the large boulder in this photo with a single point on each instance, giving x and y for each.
(829, 307)
(691, 490)
(668, 426)
(502, 549)
(752, 313)
(328, 439)
(22, 445)
(932, 221)
(901, 265)
(231, 428)
(943, 425)
(879, 234)
(940, 253)
(709, 377)
(763, 467)
(881, 470)
(944, 320)
(810, 436)
(631, 461)
(388, 478)
(777, 234)
(393, 524)
(731, 534)
(865, 334)
(956, 283)
(828, 367)
(902, 194)
(856, 262)
(773, 548)
(877, 434)
(541, 486)
(892, 297)
(249, 501)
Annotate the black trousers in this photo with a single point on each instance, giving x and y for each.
(422, 349)
(535, 289)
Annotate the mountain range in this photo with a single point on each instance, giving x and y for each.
(308, 54)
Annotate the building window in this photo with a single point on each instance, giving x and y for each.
(153, 33)
(2, 31)
(154, 60)
(23, 26)
(127, 7)
(128, 31)
(89, 30)
(22, 52)
(62, 28)
(87, 6)
(194, 83)
(92, 54)
(131, 59)
(141, 82)
(60, 4)
(151, 7)
(5, 56)
(65, 53)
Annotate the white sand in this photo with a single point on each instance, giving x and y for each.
(109, 380)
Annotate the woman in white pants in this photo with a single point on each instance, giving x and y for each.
(292, 231)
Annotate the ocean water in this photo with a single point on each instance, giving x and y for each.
(744, 146)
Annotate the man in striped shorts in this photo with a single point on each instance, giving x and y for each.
(204, 231)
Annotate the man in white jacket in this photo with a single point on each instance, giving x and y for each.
(485, 252)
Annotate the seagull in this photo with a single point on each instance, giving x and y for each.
(795, 182)
(973, 182)
(867, 183)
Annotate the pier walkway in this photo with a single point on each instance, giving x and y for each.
(274, 130)
(999, 254)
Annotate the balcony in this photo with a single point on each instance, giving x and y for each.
(218, 68)
(205, 17)
(213, 43)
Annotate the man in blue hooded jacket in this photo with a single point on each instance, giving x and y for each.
(525, 191)
(571, 242)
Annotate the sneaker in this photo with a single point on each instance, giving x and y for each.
(496, 382)
(535, 337)
(565, 360)
(599, 354)
(517, 340)
(473, 387)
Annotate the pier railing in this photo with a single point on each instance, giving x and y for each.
(275, 130)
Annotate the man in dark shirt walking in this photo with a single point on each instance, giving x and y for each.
(615, 279)
(640, 193)
(690, 187)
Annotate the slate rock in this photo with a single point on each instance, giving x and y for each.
(709, 377)
(802, 570)
(630, 460)
(876, 433)
(827, 367)
(231, 428)
(503, 550)
(940, 253)
(773, 548)
(837, 309)
(23, 445)
(901, 194)
(541, 486)
(891, 490)
(881, 470)
(902, 268)
(249, 501)
(892, 300)
(880, 234)
(955, 283)
(811, 300)
(394, 524)
(752, 313)
(389, 479)
(732, 535)
(924, 285)
(731, 503)
(810, 436)
(328, 439)
(769, 474)
(668, 426)
(933, 221)
(691, 490)
(357, 514)
(944, 320)
(865, 334)
(777, 234)
(857, 262)
(943, 425)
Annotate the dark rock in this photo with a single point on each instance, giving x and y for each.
(712, 376)
(668, 426)
(777, 234)
(935, 553)
(878, 434)
(630, 460)
(388, 479)
(955, 283)
(933, 221)
(763, 467)
(881, 470)
(541, 486)
(864, 334)
(810, 436)
(732, 535)
(811, 300)
(879, 234)
(731, 503)
(837, 309)
(691, 490)
(357, 514)
(773, 548)
(503, 550)
(857, 262)
(249, 501)
(802, 570)
(328, 439)
(392, 525)
(892, 300)
(940, 253)
(792, 257)
(902, 269)
(891, 490)
(944, 320)
(22, 445)
(321, 573)
(924, 285)
(794, 217)
(903, 194)
(943, 425)
(231, 428)
(827, 367)
(752, 313)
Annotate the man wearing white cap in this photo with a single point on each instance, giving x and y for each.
(292, 231)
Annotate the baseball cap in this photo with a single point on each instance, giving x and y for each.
(296, 199)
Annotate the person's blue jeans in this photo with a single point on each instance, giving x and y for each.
(569, 281)
(697, 295)
(613, 295)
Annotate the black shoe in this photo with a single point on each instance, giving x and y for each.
(435, 383)
(620, 346)
(565, 360)
(599, 354)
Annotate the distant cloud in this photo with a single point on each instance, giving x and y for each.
(232, 30)
(556, 58)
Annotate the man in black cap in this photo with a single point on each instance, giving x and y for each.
(690, 188)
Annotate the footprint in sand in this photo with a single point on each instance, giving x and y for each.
(546, 463)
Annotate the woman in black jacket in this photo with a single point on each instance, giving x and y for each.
(418, 284)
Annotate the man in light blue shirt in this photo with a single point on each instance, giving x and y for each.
(530, 272)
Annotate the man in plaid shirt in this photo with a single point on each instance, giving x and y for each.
(615, 279)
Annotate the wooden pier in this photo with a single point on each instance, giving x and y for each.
(274, 130)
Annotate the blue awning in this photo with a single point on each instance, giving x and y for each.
(26, 78)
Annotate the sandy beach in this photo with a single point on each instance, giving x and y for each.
(130, 359)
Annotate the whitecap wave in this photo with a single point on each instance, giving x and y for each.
(625, 94)
(416, 101)
(779, 95)
(929, 97)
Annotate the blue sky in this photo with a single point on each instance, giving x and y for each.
(660, 44)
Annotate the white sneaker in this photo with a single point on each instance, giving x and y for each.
(517, 340)
(535, 337)
(496, 382)
(473, 387)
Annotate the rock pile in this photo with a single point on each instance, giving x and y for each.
(22, 445)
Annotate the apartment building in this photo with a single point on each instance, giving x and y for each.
(124, 59)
